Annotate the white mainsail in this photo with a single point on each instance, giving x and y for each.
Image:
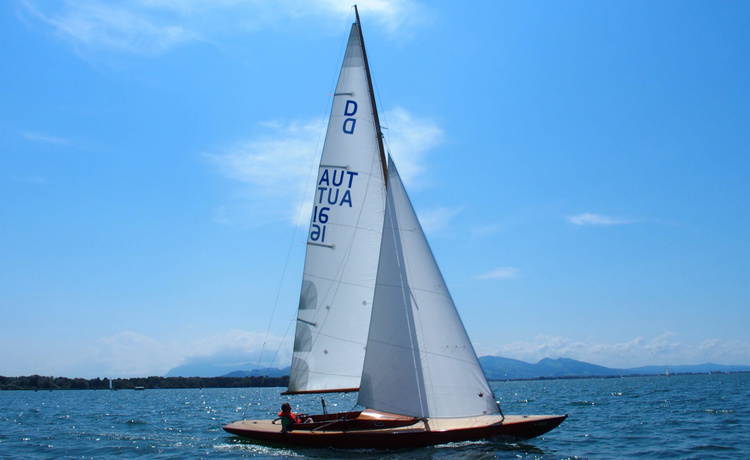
(419, 359)
(344, 239)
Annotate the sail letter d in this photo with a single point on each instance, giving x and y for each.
(349, 110)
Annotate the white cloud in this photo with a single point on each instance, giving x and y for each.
(249, 342)
(500, 273)
(125, 354)
(273, 163)
(661, 350)
(31, 179)
(434, 220)
(485, 230)
(598, 219)
(119, 26)
(44, 138)
(409, 140)
(152, 27)
(130, 354)
(278, 169)
(390, 15)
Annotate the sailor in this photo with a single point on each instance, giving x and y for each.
(287, 417)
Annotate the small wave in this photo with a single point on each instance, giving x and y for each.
(582, 403)
(450, 445)
(239, 445)
(719, 411)
(136, 422)
(714, 447)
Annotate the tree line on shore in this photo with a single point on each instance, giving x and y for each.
(38, 382)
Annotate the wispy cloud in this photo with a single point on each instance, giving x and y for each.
(131, 354)
(132, 27)
(434, 220)
(31, 179)
(500, 273)
(409, 140)
(153, 27)
(278, 168)
(485, 230)
(127, 354)
(44, 138)
(598, 219)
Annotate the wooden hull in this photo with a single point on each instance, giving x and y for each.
(377, 430)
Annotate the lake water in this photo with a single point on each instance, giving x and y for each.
(681, 416)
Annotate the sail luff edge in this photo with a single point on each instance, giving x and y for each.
(378, 131)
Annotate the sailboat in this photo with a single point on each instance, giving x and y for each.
(375, 315)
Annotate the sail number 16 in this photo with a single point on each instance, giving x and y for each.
(320, 216)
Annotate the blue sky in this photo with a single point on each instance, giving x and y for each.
(581, 169)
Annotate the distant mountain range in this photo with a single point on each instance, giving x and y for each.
(495, 368)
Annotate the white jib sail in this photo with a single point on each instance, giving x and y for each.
(419, 359)
(343, 243)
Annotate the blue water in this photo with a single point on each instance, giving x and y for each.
(682, 416)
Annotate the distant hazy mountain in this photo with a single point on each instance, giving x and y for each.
(273, 372)
(223, 363)
(221, 370)
(495, 368)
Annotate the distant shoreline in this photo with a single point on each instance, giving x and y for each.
(37, 382)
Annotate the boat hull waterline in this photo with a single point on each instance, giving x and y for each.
(377, 430)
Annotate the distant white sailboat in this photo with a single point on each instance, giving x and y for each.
(375, 314)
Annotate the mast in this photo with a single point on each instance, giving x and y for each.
(379, 132)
